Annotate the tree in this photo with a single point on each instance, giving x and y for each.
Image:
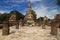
(18, 14)
(40, 18)
(34, 14)
(4, 17)
(58, 2)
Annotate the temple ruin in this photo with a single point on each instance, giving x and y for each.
(29, 20)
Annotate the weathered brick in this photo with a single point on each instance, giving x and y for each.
(5, 29)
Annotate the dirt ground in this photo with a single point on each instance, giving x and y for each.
(30, 33)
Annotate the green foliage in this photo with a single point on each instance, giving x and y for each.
(34, 14)
(58, 2)
(40, 18)
(3, 17)
(18, 14)
(6, 16)
(1, 25)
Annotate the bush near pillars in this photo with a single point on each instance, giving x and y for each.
(5, 29)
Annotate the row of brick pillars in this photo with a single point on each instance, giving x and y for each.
(6, 29)
(54, 27)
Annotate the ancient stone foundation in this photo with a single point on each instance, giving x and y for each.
(5, 29)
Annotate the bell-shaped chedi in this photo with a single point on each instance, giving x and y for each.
(29, 17)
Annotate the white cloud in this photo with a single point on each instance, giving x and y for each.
(42, 11)
(18, 1)
(2, 12)
(52, 13)
(34, 0)
(15, 1)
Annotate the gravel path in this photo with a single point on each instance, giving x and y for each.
(29, 33)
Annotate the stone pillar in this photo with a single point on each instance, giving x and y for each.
(17, 25)
(21, 23)
(5, 29)
(54, 28)
(43, 25)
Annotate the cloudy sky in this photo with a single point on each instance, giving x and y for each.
(42, 8)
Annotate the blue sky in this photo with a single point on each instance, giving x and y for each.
(42, 8)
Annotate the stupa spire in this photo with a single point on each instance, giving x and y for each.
(29, 6)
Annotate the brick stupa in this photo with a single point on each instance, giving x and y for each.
(29, 18)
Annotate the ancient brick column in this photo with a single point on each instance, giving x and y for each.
(43, 25)
(17, 25)
(5, 29)
(54, 26)
(21, 22)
